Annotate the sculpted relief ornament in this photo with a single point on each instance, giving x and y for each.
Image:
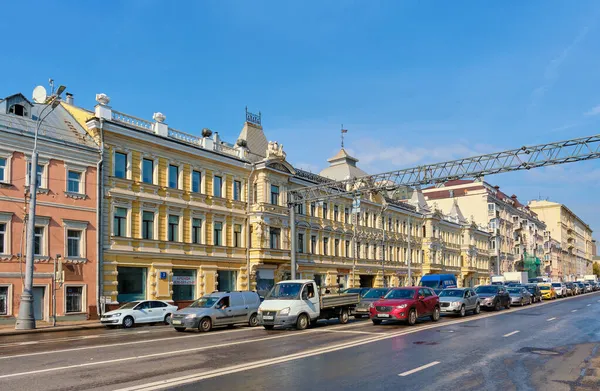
(275, 151)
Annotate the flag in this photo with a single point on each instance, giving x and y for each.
(344, 130)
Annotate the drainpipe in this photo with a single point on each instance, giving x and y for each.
(248, 198)
(99, 236)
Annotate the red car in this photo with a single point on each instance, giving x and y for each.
(406, 304)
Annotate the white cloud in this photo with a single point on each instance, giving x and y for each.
(593, 111)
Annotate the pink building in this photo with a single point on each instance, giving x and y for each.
(66, 218)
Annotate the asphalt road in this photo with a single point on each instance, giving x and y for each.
(549, 346)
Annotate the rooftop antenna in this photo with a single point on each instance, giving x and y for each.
(51, 83)
(342, 134)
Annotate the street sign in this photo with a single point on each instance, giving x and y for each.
(163, 275)
(183, 280)
(356, 206)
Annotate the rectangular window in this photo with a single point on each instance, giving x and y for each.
(74, 182)
(74, 298)
(275, 235)
(173, 228)
(325, 245)
(120, 222)
(346, 215)
(255, 192)
(184, 284)
(237, 235)
(300, 245)
(313, 244)
(347, 253)
(324, 210)
(148, 171)
(217, 186)
(196, 231)
(299, 208)
(313, 209)
(120, 165)
(2, 238)
(218, 233)
(196, 181)
(73, 243)
(336, 248)
(3, 175)
(336, 213)
(237, 190)
(173, 176)
(38, 241)
(3, 300)
(227, 280)
(274, 195)
(148, 225)
(39, 171)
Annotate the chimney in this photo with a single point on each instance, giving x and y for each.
(69, 99)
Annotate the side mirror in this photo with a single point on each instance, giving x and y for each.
(421, 297)
(381, 297)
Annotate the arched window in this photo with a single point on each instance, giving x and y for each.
(19, 110)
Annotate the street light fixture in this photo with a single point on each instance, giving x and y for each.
(26, 318)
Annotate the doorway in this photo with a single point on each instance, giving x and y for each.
(366, 281)
(39, 293)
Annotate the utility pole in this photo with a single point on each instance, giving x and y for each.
(497, 239)
(292, 208)
(409, 260)
(383, 249)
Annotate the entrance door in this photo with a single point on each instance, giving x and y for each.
(366, 281)
(38, 302)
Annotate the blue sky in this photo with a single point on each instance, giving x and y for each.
(413, 82)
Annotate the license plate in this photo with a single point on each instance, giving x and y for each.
(361, 310)
(176, 321)
(383, 315)
(267, 317)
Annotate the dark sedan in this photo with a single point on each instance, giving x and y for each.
(493, 296)
(534, 290)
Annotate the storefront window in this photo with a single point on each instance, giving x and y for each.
(3, 300)
(265, 279)
(184, 284)
(227, 280)
(131, 284)
(74, 298)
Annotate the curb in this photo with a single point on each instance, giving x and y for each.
(52, 329)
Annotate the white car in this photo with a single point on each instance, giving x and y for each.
(140, 311)
(560, 289)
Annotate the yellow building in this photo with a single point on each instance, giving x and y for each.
(184, 215)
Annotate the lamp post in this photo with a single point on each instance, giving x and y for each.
(26, 318)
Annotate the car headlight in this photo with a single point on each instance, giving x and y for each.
(372, 305)
(190, 316)
(113, 315)
(456, 303)
(401, 306)
(285, 311)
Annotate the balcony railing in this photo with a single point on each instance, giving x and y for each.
(132, 121)
(185, 137)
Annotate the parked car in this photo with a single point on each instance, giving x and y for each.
(534, 291)
(406, 304)
(569, 288)
(438, 282)
(139, 311)
(581, 287)
(459, 301)
(519, 295)
(374, 294)
(360, 291)
(493, 296)
(575, 290)
(218, 309)
(548, 291)
(588, 287)
(560, 289)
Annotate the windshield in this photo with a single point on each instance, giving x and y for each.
(451, 293)
(204, 302)
(531, 289)
(375, 293)
(545, 287)
(556, 284)
(352, 290)
(400, 294)
(430, 284)
(285, 291)
(514, 290)
(486, 289)
(129, 306)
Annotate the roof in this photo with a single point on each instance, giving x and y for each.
(297, 281)
(256, 140)
(342, 166)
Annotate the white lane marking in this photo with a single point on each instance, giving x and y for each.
(588, 305)
(574, 311)
(27, 343)
(142, 332)
(121, 344)
(90, 336)
(431, 364)
(512, 333)
(349, 331)
(549, 320)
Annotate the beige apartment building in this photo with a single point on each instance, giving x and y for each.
(574, 247)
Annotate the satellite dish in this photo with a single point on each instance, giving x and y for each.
(39, 94)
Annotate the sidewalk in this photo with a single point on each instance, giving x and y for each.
(45, 327)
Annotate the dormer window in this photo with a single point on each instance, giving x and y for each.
(19, 110)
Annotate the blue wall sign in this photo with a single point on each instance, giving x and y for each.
(163, 275)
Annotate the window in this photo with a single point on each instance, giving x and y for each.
(227, 280)
(39, 172)
(237, 190)
(367, 246)
(336, 248)
(19, 110)
(38, 241)
(148, 171)
(73, 243)
(173, 176)
(237, 235)
(3, 300)
(275, 235)
(184, 284)
(120, 165)
(346, 215)
(299, 209)
(324, 210)
(218, 233)
(148, 225)
(366, 219)
(3, 238)
(196, 181)
(274, 195)
(120, 222)
(336, 213)
(196, 231)
(74, 299)
(74, 182)
(313, 209)
(300, 245)
(325, 245)
(347, 253)
(313, 244)
(3, 174)
(173, 234)
(217, 186)
(255, 192)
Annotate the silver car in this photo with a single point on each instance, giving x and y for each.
(218, 309)
(519, 296)
(560, 289)
(459, 301)
(374, 294)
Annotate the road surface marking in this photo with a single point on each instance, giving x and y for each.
(431, 364)
(574, 311)
(551, 319)
(350, 331)
(588, 305)
(27, 343)
(142, 332)
(509, 334)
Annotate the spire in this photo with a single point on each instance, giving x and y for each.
(457, 213)
(418, 200)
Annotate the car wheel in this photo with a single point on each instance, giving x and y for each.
(180, 329)
(253, 321)
(497, 306)
(376, 321)
(128, 322)
(412, 317)
(205, 325)
(507, 306)
(436, 314)
(302, 322)
(268, 327)
(343, 317)
(530, 302)
(477, 309)
(462, 311)
(167, 319)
